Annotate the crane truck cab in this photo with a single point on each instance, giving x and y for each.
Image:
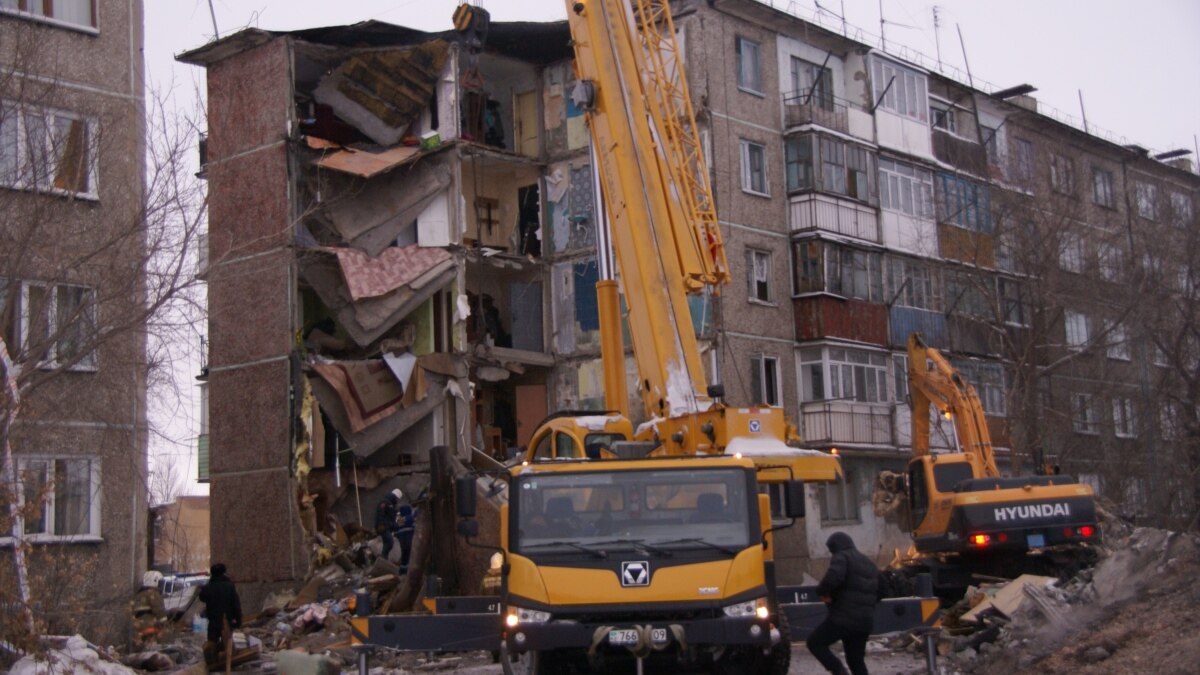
(668, 559)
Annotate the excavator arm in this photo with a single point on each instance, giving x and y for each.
(954, 398)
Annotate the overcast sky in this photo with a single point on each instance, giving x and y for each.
(1136, 64)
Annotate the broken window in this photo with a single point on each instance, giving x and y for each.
(754, 171)
(758, 274)
(45, 150)
(764, 380)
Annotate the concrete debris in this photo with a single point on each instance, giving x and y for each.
(75, 655)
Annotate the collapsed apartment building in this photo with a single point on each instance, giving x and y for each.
(392, 212)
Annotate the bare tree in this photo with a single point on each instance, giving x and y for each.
(100, 214)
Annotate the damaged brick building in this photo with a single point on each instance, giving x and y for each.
(402, 255)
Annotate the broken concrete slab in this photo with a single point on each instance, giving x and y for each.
(396, 266)
(370, 319)
(366, 390)
(382, 92)
(366, 442)
(1007, 598)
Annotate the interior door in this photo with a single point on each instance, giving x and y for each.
(527, 123)
(532, 407)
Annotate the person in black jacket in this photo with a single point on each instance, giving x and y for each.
(221, 603)
(851, 590)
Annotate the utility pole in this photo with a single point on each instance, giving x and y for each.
(936, 41)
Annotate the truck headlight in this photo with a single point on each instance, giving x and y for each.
(517, 616)
(756, 608)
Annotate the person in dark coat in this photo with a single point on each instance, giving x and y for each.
(385, 519)
(851, 590)
(221, 603)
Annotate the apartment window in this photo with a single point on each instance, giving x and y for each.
(943, 117)
(799, 159)
(905, 188)
(833, 268)
(754, 171)
(964, 203)
(1077, 329)
(1158, 355)
(75, 12)
(1147, 200)
(1118, 340)
(965, 294)
(1181, 208)
(1112, 261)
(912, 283)
(749, 72)
(59, 497)
(1062, 174)
(839, 501)
(1083, 414)
(1169, 421)
(764, 380)
(1012, 302)
(47, 150)
(1070, 256)
(1102, 187)
(988, 380)
(61, 320)
(758, 273)
(1023, 161)
(837, 373)
(1124, 418)
(899, 89)
(811, 84)
(991, 143)
(900, 377)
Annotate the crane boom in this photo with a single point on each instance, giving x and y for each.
(954, 397)
(646, 152)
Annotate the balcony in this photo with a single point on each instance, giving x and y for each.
(961, 153)
(818, 212)
(832, 423)
(803, 107)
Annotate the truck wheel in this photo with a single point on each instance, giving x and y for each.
(779, 659)
(529, 663)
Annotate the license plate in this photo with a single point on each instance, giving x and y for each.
(1035, 540)
(658, 635)
(622, 636)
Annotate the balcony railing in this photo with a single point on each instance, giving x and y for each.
(807, 212)
(842, 422)
(805, 107)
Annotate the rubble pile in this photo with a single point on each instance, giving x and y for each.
(1113, 617)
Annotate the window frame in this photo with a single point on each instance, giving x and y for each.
(845, 492)
(1076, 325)
(914, 283)
(1181, 208)
(902, 184)
(972, 203)
(1117, 341)
(1124, 417)
(846, 374)
(50, 511)
(25, 177)
(1110, 259)
(1084, 417)
(1073, 254)
(1146, 200)
(22, 10)
(989, 380)
(88, 362)
(1062, 174)
(748, 147)
(1024, 160)
(808, 76)
(764, 377)
(752, 49)
(1102, 188)
(908, 96)
(754, 279)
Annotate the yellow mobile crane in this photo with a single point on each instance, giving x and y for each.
(663, 548)
(965, 517)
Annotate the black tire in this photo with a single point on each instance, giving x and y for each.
(779, 659)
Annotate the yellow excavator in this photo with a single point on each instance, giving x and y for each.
(965, 518)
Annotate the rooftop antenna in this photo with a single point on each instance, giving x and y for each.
(937, 43)
(1082, 112)
(882, 37)
(963, 45)
(213, 14)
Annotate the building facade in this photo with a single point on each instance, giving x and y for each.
(402, 252)
(72, 261)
